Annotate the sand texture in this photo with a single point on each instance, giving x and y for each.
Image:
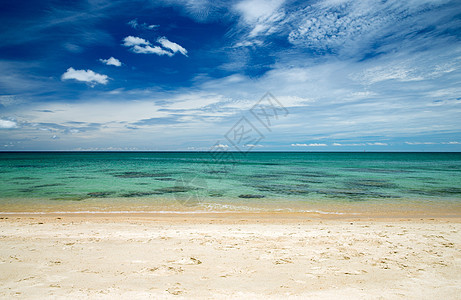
(211, 258)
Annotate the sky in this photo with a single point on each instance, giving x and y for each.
(165, 75)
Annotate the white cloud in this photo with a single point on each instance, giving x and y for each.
(309, 145)
(111, 62)
(452, 143)
(151, 50)
(419, 143)
(7, 124)
(172, 46)
(377, 144)
(87, 76)
(140, 45)
(355, 144)
(130, 41)
(221, 146)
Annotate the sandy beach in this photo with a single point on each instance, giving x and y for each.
(229, 256)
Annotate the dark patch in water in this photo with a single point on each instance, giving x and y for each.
(165, 179)
(431, 182)
(140, 175)
(100, 194)
(343, 192)
(419, 177)
(307, 180)
(376, 170)
(250, 196)
(448, 191)
(215, 194)
(353, 194)
(310, 174)
(136, 194)
(24, 178)
(166, 190)
(174, 189)
(371, 183)
(268, 164)
(79, 177)
(48, 185)
(297, 189)
(71, 198)
(28, 166)
(263, 176)
(218, 172)
(142, 183)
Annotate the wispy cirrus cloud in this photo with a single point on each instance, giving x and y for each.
(262, 17)
(136, 25)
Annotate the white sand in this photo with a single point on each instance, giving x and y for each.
(158, 257)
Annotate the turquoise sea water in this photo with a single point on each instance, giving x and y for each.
(151, 179)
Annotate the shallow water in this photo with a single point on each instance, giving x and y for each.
(282, 180)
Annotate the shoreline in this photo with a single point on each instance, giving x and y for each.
(347, 210)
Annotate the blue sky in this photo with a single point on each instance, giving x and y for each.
(178, 75)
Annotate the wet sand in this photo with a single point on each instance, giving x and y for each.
(229, 256)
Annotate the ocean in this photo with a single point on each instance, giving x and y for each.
(225, 181)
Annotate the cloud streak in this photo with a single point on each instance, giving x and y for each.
(171, 46)
(309, 145)
(140, 45)
(134, 24)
